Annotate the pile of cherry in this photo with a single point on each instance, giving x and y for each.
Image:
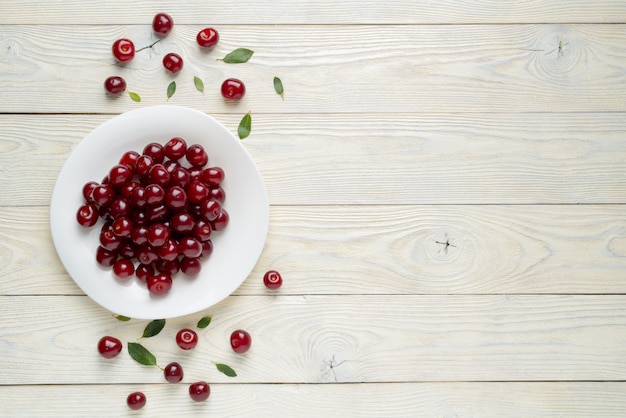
(160, 209)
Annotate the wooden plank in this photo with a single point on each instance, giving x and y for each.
(485, 399)
(317, 339)
(410, 159)
(318, 12)
(387, 250)
(336, 69)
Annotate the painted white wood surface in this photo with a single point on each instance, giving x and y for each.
(447, 184)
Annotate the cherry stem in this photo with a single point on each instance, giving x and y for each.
(149, 46)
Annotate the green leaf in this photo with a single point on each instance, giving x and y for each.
(171, 89)
(134, 96)
(141, 355)
(238, 56)
(278, 86)
(199, 84)
(204, 322)
(245, 126)
(225, 369)
(153, 328)
(122, 318)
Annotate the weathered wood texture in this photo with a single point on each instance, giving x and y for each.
(331, 338)
(317, 12)
(475, 399)
(387, 250)
(375, 159)
(384, 68)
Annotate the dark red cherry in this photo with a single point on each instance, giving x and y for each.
(207, 38)
(123, 50)
(162, 24)
(115, 85)
(233, 89)
(173, 62)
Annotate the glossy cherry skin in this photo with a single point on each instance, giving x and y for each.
(175, 148)
(233, 89)
(197, 156)
(136, 400)
(186, 339)
(162, 24)
(190, 266)
(87, 215)
(173, 62)
(105, 258)
(272, 279)
(207, 38)
(115, 85)
(159, 284)
(123, 269)
(173, 372)
(199, 391)
(123, 50)
(155, 151)
(240, 341)
(221, 222)
(213, 176)
(109, 347)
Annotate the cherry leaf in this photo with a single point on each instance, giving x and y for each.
(225, 369)
(153, 328)
(245, 126)
(204, 322)
(199, 84)
(122, 318)
(171, 89)
(278, 86)
(134, 96)
(238, 56)
(141, 355)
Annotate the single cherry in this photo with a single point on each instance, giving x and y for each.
(233, 89)
(186, 338)
(109, 347)
(115, 85)
(87, 215)
(197, 156)
(175, 148)
(173, 372)
(240, 341)
(159, 284)
(173, 62)
(272, 280)
(123, 268)
(221, 222)
(136, 400)
(190, 266)
(123, 50)
(162, 24)
(199, 391)
(207, 38)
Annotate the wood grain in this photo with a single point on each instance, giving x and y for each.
(318, 12)
(375, 159)
(387, 250)
(406, 68)
(331, 338)
(479, 399)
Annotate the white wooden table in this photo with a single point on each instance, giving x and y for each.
(448, 207)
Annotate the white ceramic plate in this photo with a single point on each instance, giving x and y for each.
(236, 249)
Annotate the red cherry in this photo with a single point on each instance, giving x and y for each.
(199, 391)
(240, 341)
(115, 85)
(173, 62)
(162, 24)
(87, 215)
(207, 38)
(144, 271)
(175, 148)
(221, 222)
(272, 280)
(109, 347)
(136, 400)
(213, 176)
(123, 50)
(197, 156)
(190, 266)
(105, 258)
(123, 269)
(173, 372)
(186, 339)
(160, 284)
(233, 89)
